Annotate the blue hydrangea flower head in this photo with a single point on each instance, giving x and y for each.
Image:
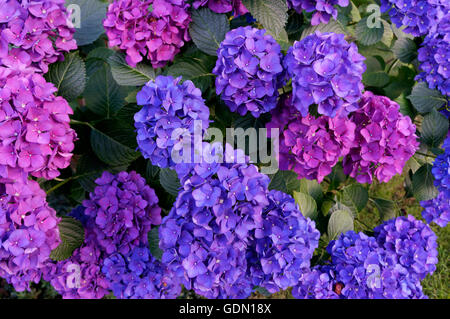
(437, 210)
(441, 169)
(323, 9)
(318, 283)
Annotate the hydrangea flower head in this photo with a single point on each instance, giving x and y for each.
(249, 71)
(222, 6)
(155, 29)
(310, 146)
(323, 9)
(318, 283)
(326, 70)
(34, 34)
(437, 210)
(385, 140)
(35, 135)
(171, 113)
(441, 169)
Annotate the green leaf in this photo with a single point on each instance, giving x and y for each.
(194, 71)
(366, 35)
(126, 75)
(423, 184)
(406, 107)
(355, 197)
(69, 76)
(208, 30)
(337, 176)
(71, 233)
(307, 204)
(386, 208)
(348, 14)
(434, 128)
(169, 181)
(312, 188)
(424, 99)
(93, 12)
(340, 222)
(272, 14)
(263, 291)
(376, 79)
(405, 50)
(151, 171)
(285, 181)
(103, 95)
(153, 243)
(388, 34)
(332, 26)
(89, 168)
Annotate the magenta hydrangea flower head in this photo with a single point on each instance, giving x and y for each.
(310, 146)
(28, 232)
(385, 140)
(155, 29)
(282, 249)
(434, 57)
(323, 9)
(172, 114)
(206, 234)
(437, 210)
(138, 275)
(222, 6)
(122, 209)
(249, 71)
(34, 33)
(326, 70)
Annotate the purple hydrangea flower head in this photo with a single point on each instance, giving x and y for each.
(155, 29)
(249, 71)
(411, 242)
(385, 140)
(28, 232)
(172, 113)
(326, 70)
(122, 209)
(283, 247)
(323, 9)
(437, 210)
(441, 169)
(35, 135)
(434, 57)
(34, 34)
(222, 6)
(318, 283)
(138, 275)
(310, 146)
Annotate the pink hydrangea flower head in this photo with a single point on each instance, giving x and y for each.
(222, 6)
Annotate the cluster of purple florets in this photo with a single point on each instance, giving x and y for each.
(222, 6)
(249, 71)
(385, 140)
(155, 29)
(441, 169)
(323, 9)
(326, 70)
(34, 34)
(35, 135)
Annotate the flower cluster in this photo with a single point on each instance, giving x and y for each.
(138, 275)
(318, 283)
(211, 224)
(249, 71)
(437, 210)
(222, 6)
(34, 34)
(385, 140)
(418, 16)
(323, 9)
(441, 170)
(28, 232)
(326, 70)
(35, 135)
(308, 145)
(156, 29)
(434, 57)
(122, 209)
(283, 247)
(170, 115)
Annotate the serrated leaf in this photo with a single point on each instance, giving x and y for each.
(208, 30)
(406, 107)
(386, 208)
(424, 99)
(194, 71)
(71, 233)
(376, 79)
(69, 76)
(340, 222)
(368, 35)
(405, 50)
(434, 128)
(89, 168)
(285, 181)
(312, 188)
(153, 243)
(307, 204)
(355, 197)
(272, 14)
(169, 181)
(388, 34)
(423, 184)
(332, 26)
(126, 75)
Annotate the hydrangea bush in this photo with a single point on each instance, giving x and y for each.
(168, 149)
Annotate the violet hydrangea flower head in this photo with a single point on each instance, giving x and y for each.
(437, 210)
(172, 113)
(326, 70)
(122, 209)
(28, 232)
(318, 283)
(434, 57)
(282, 249)
(441, 169)
(34, 34)
(249, 71)
(385, 140)
(310, 146)
(155, 29)
(138, 275)
(35, 135)
(222, 6)
(323, 9)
